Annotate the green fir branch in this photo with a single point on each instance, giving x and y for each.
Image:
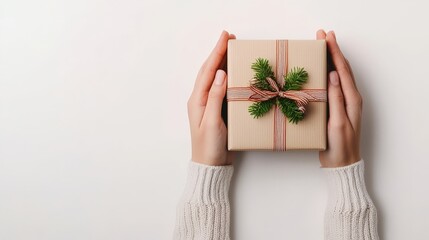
(258, 109)
(295, 78)
(290, 109)
(263, 71)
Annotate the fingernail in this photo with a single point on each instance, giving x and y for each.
(333, 34)
(333, 78)
(219, 77)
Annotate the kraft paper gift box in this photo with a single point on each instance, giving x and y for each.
(273, 131)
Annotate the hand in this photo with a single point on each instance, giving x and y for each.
(208, 131)
(345, 110)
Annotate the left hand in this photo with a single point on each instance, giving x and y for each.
(208, 131)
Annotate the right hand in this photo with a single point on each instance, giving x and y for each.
(345, 110)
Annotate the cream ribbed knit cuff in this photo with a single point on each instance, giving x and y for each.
(207, 184)
(204, 211)
(350, 213)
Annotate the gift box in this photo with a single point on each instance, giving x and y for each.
(276, 94)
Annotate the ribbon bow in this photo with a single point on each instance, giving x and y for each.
(302, 98)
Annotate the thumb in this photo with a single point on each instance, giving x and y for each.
(337, 112)
(217, 91)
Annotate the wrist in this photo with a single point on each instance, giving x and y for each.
(327, 161)
(344, 167)
(218, 159)
(215, 163)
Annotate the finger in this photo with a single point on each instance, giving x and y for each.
(212, 113)
(351, 72)
(223, 64)
(352, 98)
(211, 65)
(341, 67)
(355, 111)
(337, 111)
(320, 34)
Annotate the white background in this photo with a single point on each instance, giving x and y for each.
(94, 137)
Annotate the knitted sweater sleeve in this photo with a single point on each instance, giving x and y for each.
(203, 212)
(350, 213)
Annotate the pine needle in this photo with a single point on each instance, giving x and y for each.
(295, 78)
(259, 109)
(263, 71)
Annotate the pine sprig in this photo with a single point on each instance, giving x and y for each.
(258, 109)
(295, 78)
(290, 109)
(263, 71)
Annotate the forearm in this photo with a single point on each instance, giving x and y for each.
(204, 211)
(350, 212)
